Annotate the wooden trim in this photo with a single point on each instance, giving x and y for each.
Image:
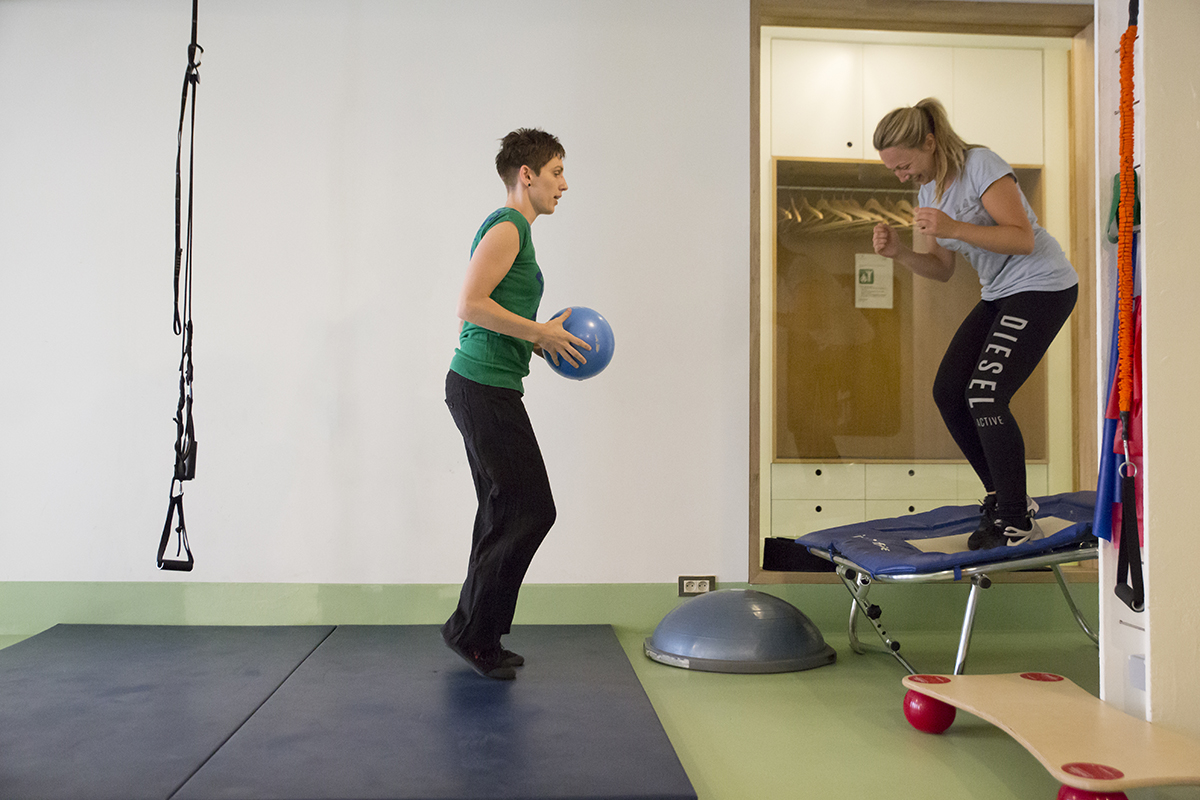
(1082, 253)
(940, 16)
(756, 477)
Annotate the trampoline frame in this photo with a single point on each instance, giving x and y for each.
(858, 580)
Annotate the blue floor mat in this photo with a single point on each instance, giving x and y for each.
(130, 712)
(362, 712)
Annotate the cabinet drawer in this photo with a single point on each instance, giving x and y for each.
(1037, 479)
(792, 518)
(911, 481)
(813, 481)
(886, 509)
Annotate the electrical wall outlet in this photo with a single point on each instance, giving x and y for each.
(692, 585)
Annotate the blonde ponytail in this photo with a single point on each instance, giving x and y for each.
(909, 126)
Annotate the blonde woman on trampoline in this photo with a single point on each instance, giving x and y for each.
(969, 202)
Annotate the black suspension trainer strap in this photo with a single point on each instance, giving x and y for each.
(185, 431)
(1131, 584)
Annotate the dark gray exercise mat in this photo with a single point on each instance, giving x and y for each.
(389, 712)
(130, 712)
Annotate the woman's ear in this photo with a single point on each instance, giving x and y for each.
(929, 144)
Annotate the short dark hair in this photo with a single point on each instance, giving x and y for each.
(526, 147)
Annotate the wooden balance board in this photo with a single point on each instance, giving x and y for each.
(1084, 742)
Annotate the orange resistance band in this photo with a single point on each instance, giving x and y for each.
(1125, 230)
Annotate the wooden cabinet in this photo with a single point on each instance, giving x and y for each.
(816, 98)
(901, 75)
(827, 97)
(998, 101)
(808, 497)
(812, 497)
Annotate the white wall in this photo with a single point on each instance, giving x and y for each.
(344, 161)
(1172, 443)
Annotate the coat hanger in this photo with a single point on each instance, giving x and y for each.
(854, 209)
(836, 219)
(823, 205)
(795, 211)
(877, 207)
(807, 217)
(785, 213)
(807, 209)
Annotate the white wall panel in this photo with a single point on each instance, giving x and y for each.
(344, 161)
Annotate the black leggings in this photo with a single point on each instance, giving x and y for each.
(993, 353)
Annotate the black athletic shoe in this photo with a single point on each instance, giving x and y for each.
(1005, 534)
(1001, 533)
(488, 663)
(510, 659)
(987, 521)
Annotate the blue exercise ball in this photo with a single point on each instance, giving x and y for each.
(594, 329)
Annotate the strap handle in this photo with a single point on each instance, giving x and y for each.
(1130, 588)
(176, 564)
(185, 429)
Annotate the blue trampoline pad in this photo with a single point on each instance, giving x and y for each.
(390, 712)
(913, 544)
(128, 711)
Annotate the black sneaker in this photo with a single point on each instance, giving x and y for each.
(510, 659)
(1001, 533)
(987, 521)
(488, 663)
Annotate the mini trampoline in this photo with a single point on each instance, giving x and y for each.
(931, 548)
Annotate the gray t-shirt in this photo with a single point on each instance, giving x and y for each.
(1046, 269)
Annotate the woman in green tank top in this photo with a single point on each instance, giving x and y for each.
(498, 308)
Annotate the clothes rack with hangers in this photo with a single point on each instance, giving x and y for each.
(910, 192)
(825, 209)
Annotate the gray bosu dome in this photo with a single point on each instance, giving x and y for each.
(738, 630)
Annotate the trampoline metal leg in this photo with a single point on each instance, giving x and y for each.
(855, 644)
(858, 586)
(1062, 584)
(964, 639)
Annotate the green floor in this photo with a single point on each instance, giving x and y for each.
(833, 732)
(839, 731)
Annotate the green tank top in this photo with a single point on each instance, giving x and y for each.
(491, 358)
